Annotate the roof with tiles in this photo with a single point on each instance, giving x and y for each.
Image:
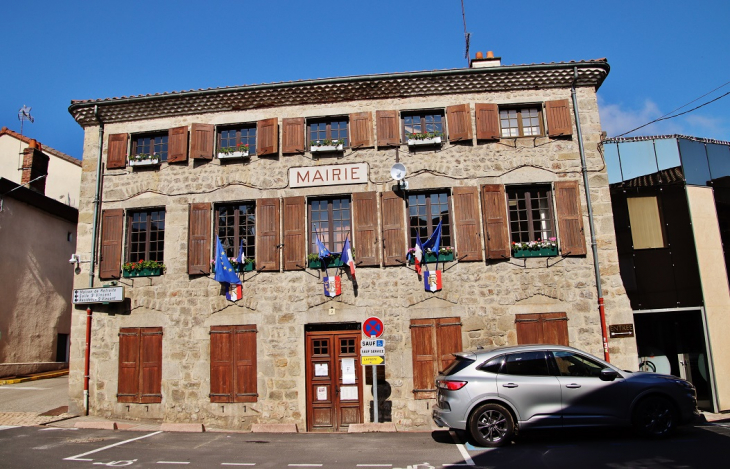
(332, 90)
(44, 148)
(661, 137)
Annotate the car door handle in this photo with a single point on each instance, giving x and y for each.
(572, 386)
(509, 385)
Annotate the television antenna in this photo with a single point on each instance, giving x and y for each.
(467, 35)
(23, 115)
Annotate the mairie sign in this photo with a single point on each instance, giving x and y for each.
(376, 360)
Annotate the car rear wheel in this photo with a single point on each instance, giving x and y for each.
(655, 417)
(491, 425)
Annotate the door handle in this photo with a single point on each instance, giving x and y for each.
(509, 385)
(572, 386)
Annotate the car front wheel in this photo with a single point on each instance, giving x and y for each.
(491, 425)
(655, 417)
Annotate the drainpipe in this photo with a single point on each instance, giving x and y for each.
(92, 263)
(594, 246)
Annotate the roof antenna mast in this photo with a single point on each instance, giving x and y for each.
(467, 36)
(23, 115)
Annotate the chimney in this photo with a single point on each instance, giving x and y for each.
(35, 164)
(483, 62)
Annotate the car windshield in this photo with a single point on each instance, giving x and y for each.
(457, 365)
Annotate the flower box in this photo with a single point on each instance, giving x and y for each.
(540, 252)
(431, 257)
(424, 141)
(145, 162)
(233, 154)
(245, 267)
(318, 264)
(326, 148)
(143, 272)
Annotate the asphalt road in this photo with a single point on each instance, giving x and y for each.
(38, 447)
(34, 396)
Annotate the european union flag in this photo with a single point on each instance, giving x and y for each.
(434, 242)
(224, 272)
(323, 251)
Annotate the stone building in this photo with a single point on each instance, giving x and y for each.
(491, 151)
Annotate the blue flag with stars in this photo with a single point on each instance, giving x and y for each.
(224, 272)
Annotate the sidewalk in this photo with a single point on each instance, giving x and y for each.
(35, 377)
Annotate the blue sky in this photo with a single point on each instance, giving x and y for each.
(663, 54)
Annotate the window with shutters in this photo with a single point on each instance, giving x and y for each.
(422, 124)
(331, 131)
(530, 213)
(330, 221)
(231, 137)
(146, 235)
(233, 364)
(521, 121)
(433, 343)
(140, 365)
(235, 225)
(425, 211)
(154, 144)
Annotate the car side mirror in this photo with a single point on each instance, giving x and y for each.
(607, 374)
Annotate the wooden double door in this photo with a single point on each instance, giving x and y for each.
(334, 380)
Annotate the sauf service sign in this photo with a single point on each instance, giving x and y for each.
(333, 175)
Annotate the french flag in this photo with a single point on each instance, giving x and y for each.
(332, 286)
(432, 280)
(346, 257)
(418, 254)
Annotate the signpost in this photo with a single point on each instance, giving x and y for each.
(98, 295)
(372, 352)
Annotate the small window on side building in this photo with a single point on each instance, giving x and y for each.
(646, 223)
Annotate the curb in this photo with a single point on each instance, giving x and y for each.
(50, 374)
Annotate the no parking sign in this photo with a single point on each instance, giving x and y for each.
(373, 327)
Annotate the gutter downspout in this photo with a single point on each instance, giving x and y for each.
(594, 247)
(94, 227)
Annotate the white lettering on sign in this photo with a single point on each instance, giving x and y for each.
(372, 343)
(332, 175)
(372, 351)
(98, 295)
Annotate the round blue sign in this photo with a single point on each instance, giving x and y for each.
(373, 327)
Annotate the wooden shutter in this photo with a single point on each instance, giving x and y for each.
(488, 127)
(494, 213)
(177, 150)
(112, 226)
(294, 243)
(570, 218)
(423, 345)
(221, 364)
(292, 138)
(267, 136)
(150, 365)
(448, 341)
(542, 328)
(466, 223)
(116, 155)
(128, 383)
(245, 364)
(361, 130)
(199, 239)
(459, 120)
(394, 230)
(202, 141)
(366, 248)
(558, 118)
(267, 234)
(388, 128)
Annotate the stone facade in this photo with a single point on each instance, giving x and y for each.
(486, 296)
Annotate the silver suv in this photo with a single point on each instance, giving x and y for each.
(494, 393)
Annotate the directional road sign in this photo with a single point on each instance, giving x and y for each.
(378, 360)
(98, 295)
(373, 327)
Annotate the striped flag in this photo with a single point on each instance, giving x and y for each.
(432, 280)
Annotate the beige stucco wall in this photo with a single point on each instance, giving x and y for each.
(715, 291)
(62, 182)
(485, 295)
(37, 282)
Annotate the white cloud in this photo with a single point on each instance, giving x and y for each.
(617, 119)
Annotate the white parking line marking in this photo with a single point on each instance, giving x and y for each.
(173, 462)
(25, 388)
(374, 465)
(238, 464)
(8, 427)
(305, 465)
(56, 428)
(76, 458)
(464, 454)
